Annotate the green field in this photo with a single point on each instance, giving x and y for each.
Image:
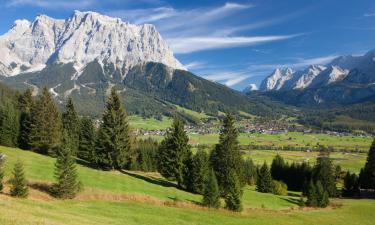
(138, 122)
(348, 161)
(139, 198)
(294, 139)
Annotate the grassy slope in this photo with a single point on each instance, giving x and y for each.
(150, 123)
(51, 211)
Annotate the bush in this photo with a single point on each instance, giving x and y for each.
(280, 188)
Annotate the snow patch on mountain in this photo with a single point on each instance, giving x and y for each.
(81, 39)
(250, 88)
(276, 80)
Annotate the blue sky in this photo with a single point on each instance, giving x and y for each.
(232, 42)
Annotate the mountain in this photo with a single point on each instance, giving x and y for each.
(81, 39)
(276, 80)
(87, 54)
(345, 80)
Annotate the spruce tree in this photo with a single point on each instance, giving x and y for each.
(9, 125)
(2, 162)
(175, 153)
(250, 172)
(324, 172)
(114, 139)
(18, 182)
(199, 171)
(227, 156)
(233, 198)
(25, 103)
(46, 127)
(264, 180)
(278, 168)
(87, 138)
(312, 197)
(211, 195)
(322, 195)
(351, 184)
(67, 185)
(367, 176)
(71, 124)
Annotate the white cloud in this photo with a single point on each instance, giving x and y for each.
(194, 65)
(228, 78)
(70, 4)
(314, 61)
(193, 44)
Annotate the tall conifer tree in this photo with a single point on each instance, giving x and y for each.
(367, 176)
(9, 123)
(87, 137)
(25, 103)
(114, 138)
(46, 127)
(264, 180)
(2, 162)
(324, 172)
(233, 198)
(71, 125)
(175, 153)
(226, 156)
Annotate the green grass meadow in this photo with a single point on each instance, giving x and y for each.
(259, 208)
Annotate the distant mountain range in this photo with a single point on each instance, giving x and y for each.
(345, 80)
(87, 54)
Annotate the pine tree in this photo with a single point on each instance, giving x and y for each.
(18, 182)
(322, 195)
(264, 181)
(351, 184)
(25, 103)
(9, 125)
(87, 138)
(312, 199)
(2, 162)
(175, 153)
(227, 156)
(71, 124)
(250, 172)
(233, 198)
(278, 168)
(46, 127)
(324, 172)
(211, 195)
(114, 141)
(67, 185)
(367, 176)
(199, 171)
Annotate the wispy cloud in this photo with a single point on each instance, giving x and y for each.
(193, 44)
(195, 65)
(69, 4)
(228, 78)
(197, 29)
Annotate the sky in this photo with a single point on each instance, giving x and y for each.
(232, 42)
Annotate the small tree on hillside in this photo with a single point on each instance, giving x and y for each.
(367, 176)
(199, 170)
(67, 185)
(174, 153)
(324, 172)
(87, 138)
(264, 181)
(317, 196)
(233, 198)
(278, 168)
(9, 123)
(351, 184)
(250, 172)
(18, 182)
(211, 195)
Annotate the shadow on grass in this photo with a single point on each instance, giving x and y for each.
(290, 200)
(43, 187)
(153, 180)
(293, 194)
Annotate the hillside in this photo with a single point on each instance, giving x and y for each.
(137, 198)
